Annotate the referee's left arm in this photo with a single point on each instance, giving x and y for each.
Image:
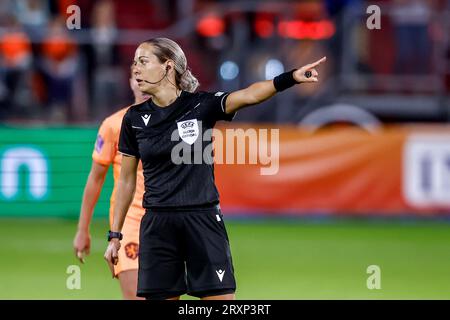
(125, 191)
(263, 90)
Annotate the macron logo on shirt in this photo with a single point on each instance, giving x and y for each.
(146, 118)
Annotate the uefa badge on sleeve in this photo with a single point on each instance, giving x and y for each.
(188, 130)
(99, 143)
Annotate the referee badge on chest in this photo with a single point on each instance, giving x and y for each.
(188, 130)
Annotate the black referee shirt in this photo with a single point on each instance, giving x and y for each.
(153, 133)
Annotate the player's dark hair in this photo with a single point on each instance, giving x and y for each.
(165, 49)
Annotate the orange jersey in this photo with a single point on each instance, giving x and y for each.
(106, 153)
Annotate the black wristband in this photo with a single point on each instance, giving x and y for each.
(112, 235)
(284, 81)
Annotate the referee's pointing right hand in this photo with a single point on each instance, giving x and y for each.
(111, 255)
(301, 76)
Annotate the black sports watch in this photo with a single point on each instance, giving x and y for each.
(112, 235)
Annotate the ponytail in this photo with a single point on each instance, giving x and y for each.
(187, 81)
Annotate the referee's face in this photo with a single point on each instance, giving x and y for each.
(147, 67)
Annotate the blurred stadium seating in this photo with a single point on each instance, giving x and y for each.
(50, 74)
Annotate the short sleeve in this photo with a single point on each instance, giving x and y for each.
(105, 145)
(216, 101)
(127, 141)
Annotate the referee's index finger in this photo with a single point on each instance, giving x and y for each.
(314, 64)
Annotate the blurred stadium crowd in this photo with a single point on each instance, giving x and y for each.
(401, 72)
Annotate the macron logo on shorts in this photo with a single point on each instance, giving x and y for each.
(220, 274)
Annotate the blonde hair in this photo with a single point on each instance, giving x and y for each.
(165, 49)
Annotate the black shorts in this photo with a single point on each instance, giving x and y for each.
(184, 252)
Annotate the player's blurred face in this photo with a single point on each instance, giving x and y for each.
(139, 96)
(146, 66)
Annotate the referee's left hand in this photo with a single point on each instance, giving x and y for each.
(299, 74)
(112, 255)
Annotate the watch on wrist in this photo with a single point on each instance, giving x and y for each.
(112, 235)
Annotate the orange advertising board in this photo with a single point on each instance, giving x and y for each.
(395, 170)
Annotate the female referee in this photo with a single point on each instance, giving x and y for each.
(184, 246)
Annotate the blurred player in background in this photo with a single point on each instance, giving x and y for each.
(106, 153)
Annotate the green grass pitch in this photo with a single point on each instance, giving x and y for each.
(273, 259)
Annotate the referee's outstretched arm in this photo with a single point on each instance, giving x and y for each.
(124, 195)
(263, 90)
